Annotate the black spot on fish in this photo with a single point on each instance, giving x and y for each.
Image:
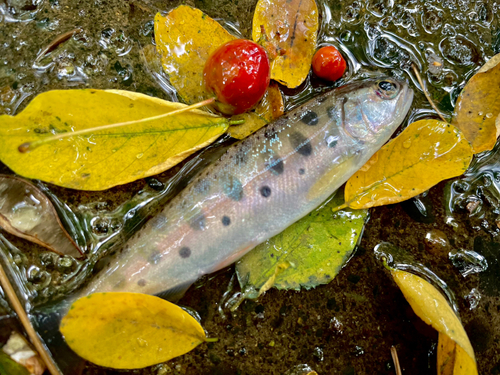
(310, 118)
(276, 166)
(198, 222)
(141, 282)
(302, 171)
(226, 221)
(232, 187)
(265, 191)
(301, 144)
(185, 252)
(154, 257)
(331, 112)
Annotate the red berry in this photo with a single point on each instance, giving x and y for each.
(328, 63)
(238, 74)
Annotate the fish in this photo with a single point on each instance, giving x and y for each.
(258, 188)
(255, 190)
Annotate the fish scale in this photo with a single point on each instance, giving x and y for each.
(258, 187)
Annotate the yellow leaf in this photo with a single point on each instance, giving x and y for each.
(269, 108)
(290, 28)
(478, 106)
(129, 330)
(185, 38)
(104, 158)
(455, 353)
(251, 123)
(425, 153)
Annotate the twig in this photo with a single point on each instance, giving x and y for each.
(18, 308)
(395, 359)
(419, 79)
(28, 146)
(58, 40)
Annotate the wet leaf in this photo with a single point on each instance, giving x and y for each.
(308, 253)
(291, 37)
(478, 107)
(425, 153)
(27, 213)
(185, 38)
(455, 354)
(129, 330)
(10, 367)
(104, 158)
(270, 108)
(19, 350)
(251, 123)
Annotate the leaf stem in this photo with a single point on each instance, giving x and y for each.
(341, 207)
(19, 309)
(211, 339)
(29, 146)
(394, 354)
(236, 122)
(426, 93)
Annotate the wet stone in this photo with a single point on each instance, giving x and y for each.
(437, 243)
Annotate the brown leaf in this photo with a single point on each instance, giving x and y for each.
(27, 213)
(477, 108)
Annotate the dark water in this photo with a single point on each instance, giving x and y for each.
(348, 326)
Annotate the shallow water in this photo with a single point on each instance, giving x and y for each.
(348, 326)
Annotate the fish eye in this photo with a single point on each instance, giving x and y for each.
(387, 89)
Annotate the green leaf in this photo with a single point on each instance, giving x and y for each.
(10, 367)
(107, 157)
(308, 253)
(129, 330)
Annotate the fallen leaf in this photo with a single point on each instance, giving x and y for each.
(425, 153)
(19, 350)
(491, 63)
(251, 123)
(185, 38)
(478, 107)
(455, 354)
(129, 330)
(27, 213)
(308, 253)
(290, 29)
(104, 158)
(10, 367)
(269, 108)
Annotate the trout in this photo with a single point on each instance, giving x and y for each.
(259, 187)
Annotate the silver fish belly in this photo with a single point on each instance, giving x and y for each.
(259, 187)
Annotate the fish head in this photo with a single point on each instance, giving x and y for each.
(374, 108)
